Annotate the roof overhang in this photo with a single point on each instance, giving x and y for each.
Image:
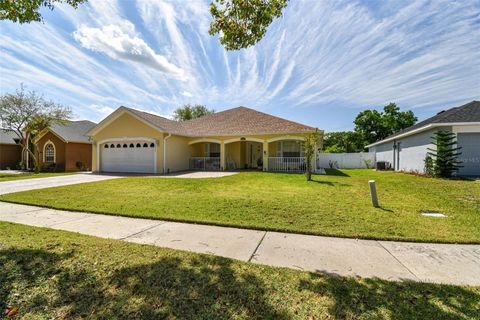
(421, 129)
(115, 115)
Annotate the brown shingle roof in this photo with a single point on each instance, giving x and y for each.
(162, 123)
(236, 121)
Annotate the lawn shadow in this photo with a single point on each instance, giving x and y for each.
(336, 172)
(379, 299)
(384, 209)
(22, 269)
(204, 288)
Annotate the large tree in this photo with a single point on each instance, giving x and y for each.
(375, 125)
(242, 23)
(25, 11)
(343, 142)
(188, 112)
(27, 114)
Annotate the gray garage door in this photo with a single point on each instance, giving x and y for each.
(470, 143)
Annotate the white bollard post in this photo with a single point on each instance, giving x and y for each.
(373, 193)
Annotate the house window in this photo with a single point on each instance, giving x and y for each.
(49, 152)
(112, 146)
(138, 145)
(132, 145)
(289, 149)
(125, 145)
(152, 145)
(145, 145)
(106, 146)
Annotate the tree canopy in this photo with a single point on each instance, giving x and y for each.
(375, 125)
(188, 112)
(240, 23)
(27, 114)
(343, 142)
(26, 11)
(370, 126)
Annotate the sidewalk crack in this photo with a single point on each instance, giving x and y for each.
(146, 229)
(398, 260)
(258, 245)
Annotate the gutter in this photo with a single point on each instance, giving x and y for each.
(426, 127)
(165, 153)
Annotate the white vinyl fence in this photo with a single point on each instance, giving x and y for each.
(359, 160)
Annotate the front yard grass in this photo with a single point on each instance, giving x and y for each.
(337, 204)
(21, 176)
(50, 274)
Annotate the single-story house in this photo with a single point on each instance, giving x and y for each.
(406, 150)
(65, 147)
(130, 140)
(10, 150)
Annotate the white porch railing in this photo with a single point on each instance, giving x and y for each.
(287, 164)
(205, 163)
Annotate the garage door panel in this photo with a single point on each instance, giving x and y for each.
(470, 157)
(128, 159)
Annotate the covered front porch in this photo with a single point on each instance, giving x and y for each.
(283, 154)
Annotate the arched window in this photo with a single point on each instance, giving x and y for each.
(49, 152)
(112, 146)
(145, 145)
(125, 145)
(152, 145)
(132, 145)
(119, 145)
(139, 145)
(106, 146)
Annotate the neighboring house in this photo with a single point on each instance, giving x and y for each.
(130, 140)
(10, 150)
(65, 147)
(406, 150)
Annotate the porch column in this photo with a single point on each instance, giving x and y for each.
(265, 155)
(222, 156)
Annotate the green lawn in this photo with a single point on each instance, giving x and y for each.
(51, 274)
(10, 176)
(336, 205)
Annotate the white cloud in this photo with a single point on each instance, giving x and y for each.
(117, 43)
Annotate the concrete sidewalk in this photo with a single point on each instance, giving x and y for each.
(439, 263)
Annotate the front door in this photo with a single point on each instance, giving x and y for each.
(254, 152)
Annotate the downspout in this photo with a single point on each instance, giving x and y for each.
(394, 155)
(165, 153)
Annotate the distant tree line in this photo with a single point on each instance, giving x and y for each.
(370, 126)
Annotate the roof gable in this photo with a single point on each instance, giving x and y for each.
(70, 131)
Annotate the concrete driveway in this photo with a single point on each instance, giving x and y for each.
(40, 183)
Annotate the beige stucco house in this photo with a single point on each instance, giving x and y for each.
(130, 140)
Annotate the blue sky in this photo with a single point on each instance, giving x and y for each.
(319, 64)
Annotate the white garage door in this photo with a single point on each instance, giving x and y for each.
(131, 156)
